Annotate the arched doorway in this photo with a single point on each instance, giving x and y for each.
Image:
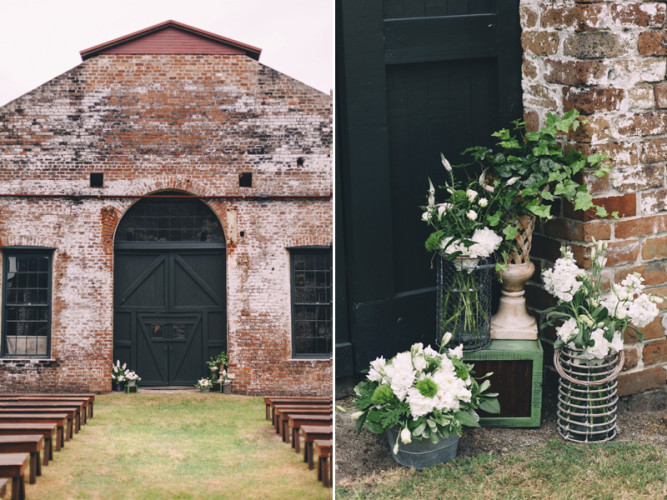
(169, 289)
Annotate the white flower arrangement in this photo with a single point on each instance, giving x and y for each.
(426, 393)
(132, 376)
(203, 384)
(120, 373)
(592, 320)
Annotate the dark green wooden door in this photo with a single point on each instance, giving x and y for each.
(170, 310)
(414, 78)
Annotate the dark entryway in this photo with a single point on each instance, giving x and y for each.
(169, 283)
(414, 78)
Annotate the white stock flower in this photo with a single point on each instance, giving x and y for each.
(400, 374)
(443, 208)
(471, 194)
(568, 330)
(600, 347)
(426, 216)
(642, 311)
(617, 342)
(561, 281)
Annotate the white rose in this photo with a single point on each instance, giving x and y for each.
(483, 202)
(472, 215)
(406, 436)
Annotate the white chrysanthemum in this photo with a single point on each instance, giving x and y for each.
(561, 281)
(568, 330)
(377, 367)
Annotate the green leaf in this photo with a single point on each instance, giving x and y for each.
(583, 200)
(484, 386)
(467, 418)
(490, 405)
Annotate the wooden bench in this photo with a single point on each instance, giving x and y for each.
(27, 443)
(80, 406)
(324, 450)
(12, 466)
(270, 400)
(283, 415)
(45, 429)
(296, 421)
(280, 408)
(89, 398)
(310, 434)
(60, 419)
(71, 413)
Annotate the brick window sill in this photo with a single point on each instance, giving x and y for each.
(22, 361)
(309, 360)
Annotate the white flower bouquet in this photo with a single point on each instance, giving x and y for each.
(204, 384)
(118, 371)
(131, 376)
(425, 393)
(594, 321)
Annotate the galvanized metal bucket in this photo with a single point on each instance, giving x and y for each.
(587, 399)
(423, 453)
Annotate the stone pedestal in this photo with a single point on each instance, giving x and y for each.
(512, 321)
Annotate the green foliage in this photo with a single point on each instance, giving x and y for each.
(532, 170)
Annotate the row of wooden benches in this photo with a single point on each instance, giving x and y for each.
(30, 423)
(310, 419)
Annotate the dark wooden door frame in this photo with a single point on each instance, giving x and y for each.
(373, 315)
(171, 254)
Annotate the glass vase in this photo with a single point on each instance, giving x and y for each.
(464, 301)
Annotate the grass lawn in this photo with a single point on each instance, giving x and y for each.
(555, 470)
(177, 445)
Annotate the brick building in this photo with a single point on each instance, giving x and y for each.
(608, 60)
(168, 198)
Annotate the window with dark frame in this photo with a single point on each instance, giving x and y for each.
(26, 293)
(312, 324)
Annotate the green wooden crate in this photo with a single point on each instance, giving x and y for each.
(517, 377)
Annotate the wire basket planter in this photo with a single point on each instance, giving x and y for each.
(587, 398)
(464, 301)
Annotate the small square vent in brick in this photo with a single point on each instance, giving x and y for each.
(97, 180)
(245, 179)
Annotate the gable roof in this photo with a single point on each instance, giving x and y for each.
(171, 37)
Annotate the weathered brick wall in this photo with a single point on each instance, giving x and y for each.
(157, 122)
(608, 60)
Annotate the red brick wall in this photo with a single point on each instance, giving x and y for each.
(608, 60)
(155, 122)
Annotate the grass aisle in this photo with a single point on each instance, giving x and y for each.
(177, 445)
(555, 470)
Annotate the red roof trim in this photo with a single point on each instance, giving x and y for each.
(249, 50)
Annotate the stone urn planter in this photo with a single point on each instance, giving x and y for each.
(512, 320)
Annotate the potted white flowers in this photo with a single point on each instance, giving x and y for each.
(589, 346)
(422, 399)
(118, 375)
(465, 235)
(204, 384)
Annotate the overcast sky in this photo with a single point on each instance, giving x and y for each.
(41, 39)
